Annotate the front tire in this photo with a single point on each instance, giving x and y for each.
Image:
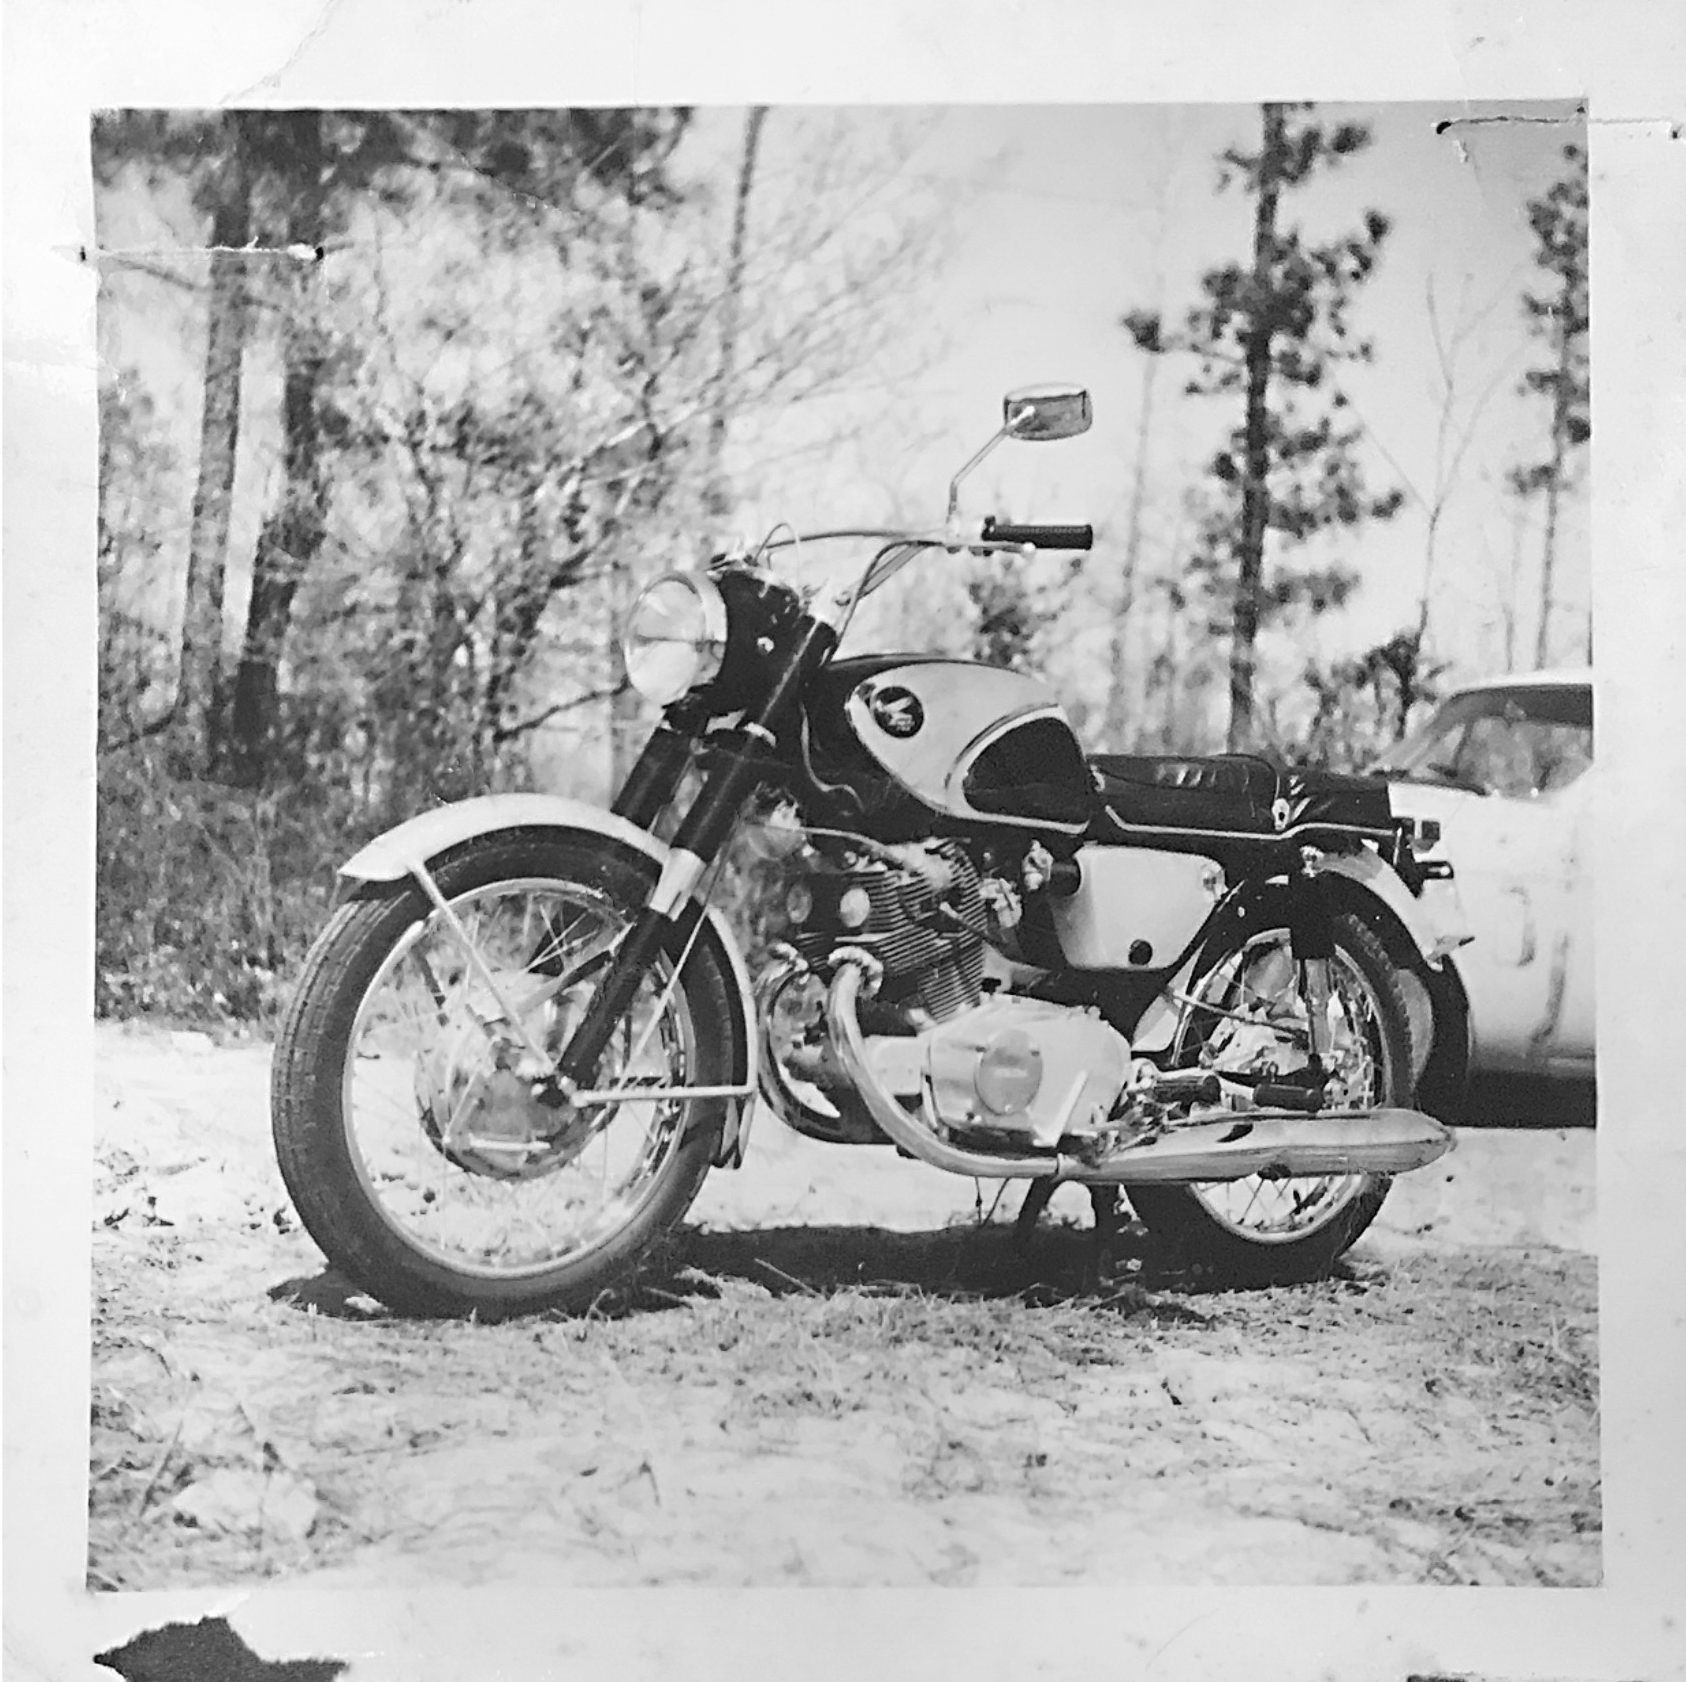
(1258, 1231)
(402, 1094)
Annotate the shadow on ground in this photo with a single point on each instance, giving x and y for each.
(1530, 1101)
(958, 1260)
(1055, 1263)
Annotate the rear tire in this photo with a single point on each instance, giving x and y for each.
(1257, 1231)
(407, 1135)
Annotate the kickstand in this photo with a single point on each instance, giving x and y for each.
(1030, 1211)
(1103, 1257)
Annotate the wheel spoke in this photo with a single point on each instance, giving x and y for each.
(1258, 983)
(468, 1185)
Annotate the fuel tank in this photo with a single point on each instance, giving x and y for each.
(968, 741)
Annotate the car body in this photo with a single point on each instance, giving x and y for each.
(1506, 768)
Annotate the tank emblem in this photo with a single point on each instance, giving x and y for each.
(897, 711)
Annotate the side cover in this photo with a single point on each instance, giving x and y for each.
(1135, 908)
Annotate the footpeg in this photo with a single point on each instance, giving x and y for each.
(1273, 1095)
(1186, 1086)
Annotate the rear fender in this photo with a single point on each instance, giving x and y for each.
(1371, 888)
(397, 853)
(1419, 936)
(1434, 929)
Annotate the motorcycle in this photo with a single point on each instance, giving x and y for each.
(527, 1033)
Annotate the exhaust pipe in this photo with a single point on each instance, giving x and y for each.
(1246, 1142)
(853, 967)
(1231, 1145)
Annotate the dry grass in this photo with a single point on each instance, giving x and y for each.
(1440, 1414)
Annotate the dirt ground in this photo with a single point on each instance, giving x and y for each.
(848, 1380)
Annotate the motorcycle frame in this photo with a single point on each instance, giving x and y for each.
(758, 748)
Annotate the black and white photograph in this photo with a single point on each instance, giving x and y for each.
(855, 843)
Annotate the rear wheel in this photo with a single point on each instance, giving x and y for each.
(403, 1095)
(1262, 1230)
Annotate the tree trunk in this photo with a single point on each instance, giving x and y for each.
(1119, 696)
(292, 537)
(731, 305)
(1255, 488)
(1510, 609)
(1554, 484)
(199, 696)
(626, 708)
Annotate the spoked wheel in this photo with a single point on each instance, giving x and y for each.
(406, 1119)
(1258, 1229)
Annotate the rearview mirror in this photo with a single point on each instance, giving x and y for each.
(1038, 413)
(1044, 413)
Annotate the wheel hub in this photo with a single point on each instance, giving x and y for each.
(485, 1112)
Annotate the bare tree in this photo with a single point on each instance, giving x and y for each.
(1457, 425)
(200, 696)
(731, 307)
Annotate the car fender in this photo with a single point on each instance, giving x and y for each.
(396, 854)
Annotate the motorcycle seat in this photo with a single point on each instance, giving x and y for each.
(1232, 793)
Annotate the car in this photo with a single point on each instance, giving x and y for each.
(1505, 767)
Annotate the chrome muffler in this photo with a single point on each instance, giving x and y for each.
(1225, 1145)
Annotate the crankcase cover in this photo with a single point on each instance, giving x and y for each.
(1062, 1068)
(974, 741)
(1135, 908)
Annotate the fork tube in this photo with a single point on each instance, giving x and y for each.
(654, 778)
(659, 925)
(706, 827)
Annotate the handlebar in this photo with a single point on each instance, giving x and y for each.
(899, 547)
(1039, 537)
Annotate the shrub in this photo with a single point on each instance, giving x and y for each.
(206, 896)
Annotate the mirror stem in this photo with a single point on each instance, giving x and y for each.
(952, 520)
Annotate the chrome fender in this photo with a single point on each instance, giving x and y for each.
(397, 853)
(1436, 927)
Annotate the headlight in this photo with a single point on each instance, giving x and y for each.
(675, 637)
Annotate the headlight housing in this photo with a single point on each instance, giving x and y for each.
(675, 637)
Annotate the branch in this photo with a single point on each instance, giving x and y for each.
(507, 732)
(156, 727)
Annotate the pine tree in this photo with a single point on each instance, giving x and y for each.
(1560, 320)
(1271, 332)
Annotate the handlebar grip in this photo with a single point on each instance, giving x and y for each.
(1040, 537)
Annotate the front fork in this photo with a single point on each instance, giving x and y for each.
(670, 914)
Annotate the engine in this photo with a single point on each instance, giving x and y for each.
(999, 1072)
(918, 908)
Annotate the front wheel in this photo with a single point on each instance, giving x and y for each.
(1247, 1014)
(405, 1109)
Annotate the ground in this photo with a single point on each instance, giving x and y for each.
(849, 1375)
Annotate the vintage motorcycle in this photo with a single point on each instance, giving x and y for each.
(526, 1035)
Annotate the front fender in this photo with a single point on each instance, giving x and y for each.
(397, 853)
(425, 836)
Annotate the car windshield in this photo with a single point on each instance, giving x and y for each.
(1520, 741)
